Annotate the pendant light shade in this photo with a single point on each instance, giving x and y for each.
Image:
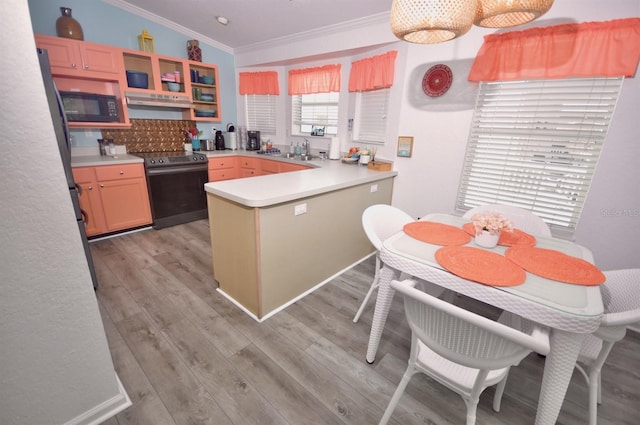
(509, 13)
(429, 21)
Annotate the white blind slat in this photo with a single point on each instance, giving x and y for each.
(371, 116)
(535, 144)
(261, 112)
(320, 109)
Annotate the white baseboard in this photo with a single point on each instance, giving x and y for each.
(105, 410)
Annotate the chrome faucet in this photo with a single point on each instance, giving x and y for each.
(307, 147)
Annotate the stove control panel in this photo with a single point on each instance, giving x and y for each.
(157, 159)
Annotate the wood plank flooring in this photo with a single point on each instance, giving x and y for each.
(186, 355)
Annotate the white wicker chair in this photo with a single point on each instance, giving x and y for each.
(379, 222)
(621, 298)
(460, 349)
(521, 218)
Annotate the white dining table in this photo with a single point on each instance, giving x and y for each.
(570, 311)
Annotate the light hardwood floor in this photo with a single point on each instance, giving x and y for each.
(188, 356)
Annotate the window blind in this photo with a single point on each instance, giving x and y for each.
(371, 116)
(535, 144)
(319, 109)
(261, 112)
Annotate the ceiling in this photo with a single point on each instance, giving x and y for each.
(253, 21)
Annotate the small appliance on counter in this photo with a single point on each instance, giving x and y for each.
(253, 140)
(219, 141)
(208, 144)
(231, 141)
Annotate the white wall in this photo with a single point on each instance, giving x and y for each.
(428, 181)
(55, 365)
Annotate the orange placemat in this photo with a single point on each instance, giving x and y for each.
(515, 237)
(480, 265)
(436, 233)
(555, 265)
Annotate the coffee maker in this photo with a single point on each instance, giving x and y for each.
(219, 141)
(253, 140)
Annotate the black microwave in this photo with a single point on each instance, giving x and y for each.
(89, 107)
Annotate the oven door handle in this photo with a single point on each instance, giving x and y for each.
(177, 169)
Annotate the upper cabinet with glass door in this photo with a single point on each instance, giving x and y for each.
(204, 92)
(148, 72)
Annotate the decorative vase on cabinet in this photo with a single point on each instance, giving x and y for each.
(67, 26)
(193, 51)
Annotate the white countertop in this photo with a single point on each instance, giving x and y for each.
(326, 176)
(97, 160)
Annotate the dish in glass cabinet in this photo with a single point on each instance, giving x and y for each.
(437, 80)
(203, 113)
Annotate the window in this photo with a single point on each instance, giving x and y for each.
(535, 144)
(261, 112)
(371, 116)
(319, 109)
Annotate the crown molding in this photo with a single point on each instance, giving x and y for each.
(120, 4)
(318, 32)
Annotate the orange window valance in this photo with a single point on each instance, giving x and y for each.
(323, 79)
(265, 82)
(589, 49)
(376, 72)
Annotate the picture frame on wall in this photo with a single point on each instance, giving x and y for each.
(405, 146)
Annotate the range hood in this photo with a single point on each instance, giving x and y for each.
(158, 100)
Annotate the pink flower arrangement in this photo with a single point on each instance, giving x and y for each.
(491, 221)
(193, 133)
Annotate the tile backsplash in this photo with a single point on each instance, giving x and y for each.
(151, 135)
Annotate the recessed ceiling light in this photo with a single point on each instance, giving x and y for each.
(222, 20)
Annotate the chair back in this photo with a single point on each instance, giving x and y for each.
(464, 337)
(621, 297)
(381, 221)
(522, 219)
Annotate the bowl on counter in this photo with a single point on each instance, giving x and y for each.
(173, 86)
(137, 79)
(205, 79)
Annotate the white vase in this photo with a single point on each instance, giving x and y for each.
(486, 240)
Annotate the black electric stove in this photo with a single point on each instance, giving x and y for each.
(175, 181)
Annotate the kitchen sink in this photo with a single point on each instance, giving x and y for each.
(303, 157)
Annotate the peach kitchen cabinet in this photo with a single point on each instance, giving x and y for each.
(203, 83)
(223, 168)
(81, 59)
(90, 203)
(248, 167)
(115, 196)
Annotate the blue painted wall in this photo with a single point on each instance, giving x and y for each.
(106, 24)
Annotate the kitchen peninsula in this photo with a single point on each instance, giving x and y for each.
(277, 237)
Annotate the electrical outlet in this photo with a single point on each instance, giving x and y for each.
(300, 209)
(374, 188)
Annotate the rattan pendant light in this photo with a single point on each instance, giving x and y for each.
(431, 21)
(509, 13)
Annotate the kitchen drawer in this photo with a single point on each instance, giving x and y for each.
(269, 167)
(248, 162)
(222, 163)
(84, 174)
(118, 172)
(224, 174)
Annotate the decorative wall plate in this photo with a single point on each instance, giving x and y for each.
(437, 80)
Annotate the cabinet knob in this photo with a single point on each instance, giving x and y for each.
(86, 66)
(101, 185)
(90, 188)
(121, 172)
(73, 65)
